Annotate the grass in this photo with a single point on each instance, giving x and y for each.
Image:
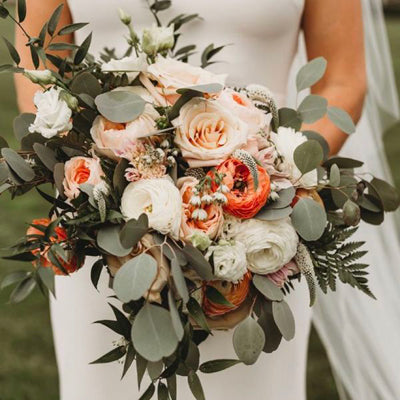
(27, 363)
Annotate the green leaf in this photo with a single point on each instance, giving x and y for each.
(111, 356)
(334, 176)
(284, 319)
(309, 219)
(273, 214)
(153, 334)
(197, 313)
(58, 175)
(83, 50)
(119, 181)
(351, 213)
(13, 52)
(141, 366)
(162, 391)
(160, 5)
(62, 47)
(320, 139)
(285, 199)
(387, 193)
(47, 277)
(187, 96)
(134, 230)
(308, 156)
(4, 172)
(108, 239)
(267, 288)
(54, 19)
(273, 336)
(210, 367)
(46, 155)
(22, 123)
(27, 256)
(18, 164)
(130, 356)
(3, 142)
(343, 162)
(195, 386)
(312, 108)
(179, 280)
(95, 272)
(23, 290)
(311, 73)
(3, 12)
(347, 187)
(66, 30)
(176, 319)
(202, 89)
(248, 341)
(148, 394)
(341, 119)
(120, 106)
(154, 369)
(21, 10)
(86, 83)
(217, 297)
(13, 277)
(289, 118)
(171, 381)
(198, 262)
(135, 277)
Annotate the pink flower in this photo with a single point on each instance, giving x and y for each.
(279, 278)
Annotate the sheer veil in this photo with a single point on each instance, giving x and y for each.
(362, 335)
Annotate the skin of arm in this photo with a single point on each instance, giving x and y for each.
(39, 11)
(334, 29)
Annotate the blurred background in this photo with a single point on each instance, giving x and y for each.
(27, 363)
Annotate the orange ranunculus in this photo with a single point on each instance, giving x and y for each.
(310, 194)
(243, 200)
(70, 266)
(235, 293)
(211, 226)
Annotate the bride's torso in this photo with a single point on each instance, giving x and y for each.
(261, 35)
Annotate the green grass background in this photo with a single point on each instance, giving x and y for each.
(27, 363)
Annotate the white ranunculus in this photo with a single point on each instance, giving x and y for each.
(53, 115)
(40, 76)
(208, 133)
(131, 65)
(157, 38)
(269, 244)
(286, 141)
(159, 199)
(229, 259)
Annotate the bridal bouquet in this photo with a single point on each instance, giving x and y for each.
(205, 203)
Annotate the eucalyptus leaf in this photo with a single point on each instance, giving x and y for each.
(47, 277)
(3, 142)
(273, 214)
(308, 156)
(83, 50)
(285, 199)
(134, 230)
(267, 288)
(135, 277)
(199, 263)
(176, 320)
(343, 162)
(197, 313)
(273, 336)
(347, 187)
(54, 19)
(13, 51)
(18, 164)
(148, 394)
(202, 89)
(58, 175)
(22, 123)
(130, 356)
(248, 341)
(179, 280)
(120, 106)
(21, 6)
(46, 155)
(341, 119)
(86, 83)
(141, 366)
(284, 319)
(388, 194)
(311, 73)
(320, 139)
(309, 219)
(370, 203)
(210, 367)
(108, 239)
(68, 29)
(334, 176)
(153, 334)
(3, 172)
(154, 369)
(162, 392)
(289, 118)
(95, 272)
(312, 108)
(13, 277)
(23, 290)
(195, 386)
(111, 356)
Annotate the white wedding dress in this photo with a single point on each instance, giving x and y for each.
(263, 39)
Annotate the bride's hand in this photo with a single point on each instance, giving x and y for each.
(334, 29)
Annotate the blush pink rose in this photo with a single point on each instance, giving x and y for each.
(211, 226)
(79, 170)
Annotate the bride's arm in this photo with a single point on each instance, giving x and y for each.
(334, 29)
(39, 11)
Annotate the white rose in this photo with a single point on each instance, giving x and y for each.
(157, 38)
(53, 114)
(243, 107)
(40, 76)
(229, 260)
(269, 244)
(159, 199)
(207, 133)
(286, 141)
(131, 65)
(173, 74)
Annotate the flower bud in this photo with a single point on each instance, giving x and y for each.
(71, 101)
(200, 240)
(156, 39)
(44, 77)
(124, 17)
(351, 213)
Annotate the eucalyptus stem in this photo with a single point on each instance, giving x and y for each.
(20, 26)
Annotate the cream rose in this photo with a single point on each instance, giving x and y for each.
(269, 244)
(207, 133)
(159, 199)
(286, 141)
(211, 226)
(53, 115)
(243, 107)
(79, 170)
(229, 260)
(118, 140)
(131, 65)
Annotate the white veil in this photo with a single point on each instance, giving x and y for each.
(362, 336)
